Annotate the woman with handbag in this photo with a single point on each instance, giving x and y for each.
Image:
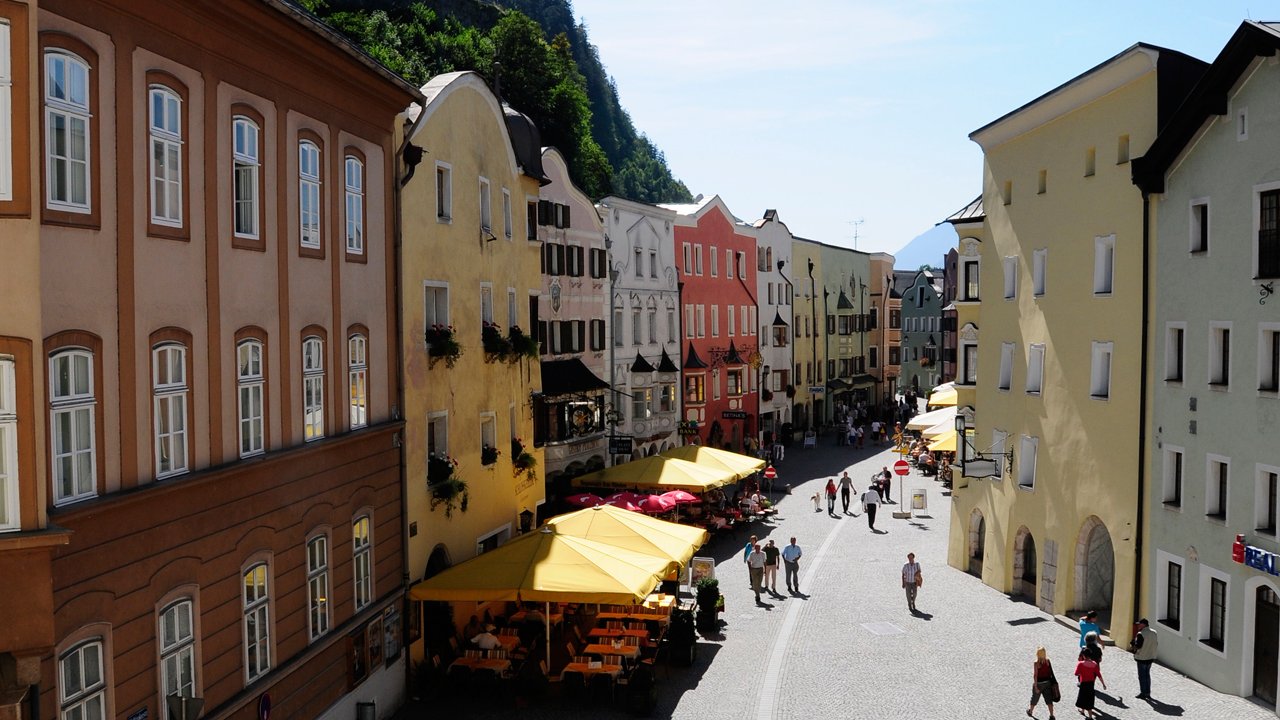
(1043, 683)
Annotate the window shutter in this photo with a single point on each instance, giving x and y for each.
(566, 217)
(560, 257)
(542, 337)
(544, 212)
(543, 257)
(579, 254)
(580, 335)
(566, 336)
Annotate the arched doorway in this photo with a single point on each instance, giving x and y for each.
(436, 617)
(1025, 564)
(977, 541)
(1266, 639)
(1095, 567)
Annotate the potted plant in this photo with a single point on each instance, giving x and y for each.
(766, 395)
(442, 345)
(709, 600)
(521, 460)
(489, 455)
(522, 345)
(446, 488)
(497, 348)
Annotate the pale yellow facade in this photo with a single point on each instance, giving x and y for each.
(1060, 261)
(449, 262)
(807, 333)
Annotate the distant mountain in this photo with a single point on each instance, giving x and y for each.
(928, 248)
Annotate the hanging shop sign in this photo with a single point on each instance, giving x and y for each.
(1255, 557)
(734, 414)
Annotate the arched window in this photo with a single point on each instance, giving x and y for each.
(354, 184)
(71, 405)
(245, 165)
(66, 96)
(257, 622)
(250, 386)
(309, 194)
(318, 585)
(170, 389)
(176, 635)
(313, 388)
(10, 518)
(82, 687)
(358, 380)
(362, 560)
(165, 108)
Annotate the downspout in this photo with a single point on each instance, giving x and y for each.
(829, 407)
(791, 344)
(1140, 518)
(813, 300)
(397, 249)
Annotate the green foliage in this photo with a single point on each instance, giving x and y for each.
(559, 83)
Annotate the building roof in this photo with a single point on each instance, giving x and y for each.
(902, 281)
(692, 361)
(732, 357)
(665, 365)
(526, 142)
(568, 377)
(842, 303)
(1208, 99)
(641, 365)
(972, 212)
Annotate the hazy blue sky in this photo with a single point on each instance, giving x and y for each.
(839, 110)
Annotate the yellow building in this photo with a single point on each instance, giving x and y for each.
(808, 342)
(971, 228)
(1059, 331)
(470, 272)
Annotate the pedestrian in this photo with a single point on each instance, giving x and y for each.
(875, 432)
(831, 496)
(1092, 648)
(1043, 683)
(912, 579)
(846, 487)
(1144, 646)
(755, 565)
(771, 553)
(885, 479)
(1087, 671)
(869, 501)
(1089, 623)
(858, 433)
(791, 561)
(746, 550)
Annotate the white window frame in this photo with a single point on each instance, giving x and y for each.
(1010, 264)
(309, 162)
(358, 380)
(715, 261)
(1039, 271)
(1163, 561)
(1175, 352)
(671, 324)
(506, 213)
(1028, 447)
(486, 302)
(255, 593)
(77, 404)
(715, 320)
(968, 374)
(1173, 475)
(245, 168)
(318, 605)
(1005, 381)
(1102, 354)
(71, 111)
(433, 292)
(688, 264)
(1220, 335)
(362, 561)
(444, 192)
(637, 329)
(10, 511)
(1212, 462)
(1035, 368)
(170, 391)
(697, 260)
(1261, 485)
(690, 324)
(732, 319)
(702, 321)
(175, 635)
(250, 398)
(6, 113)
(964, 282)
(1268, 356)
(1104, 265)
(641, 403)
(728, 263)
(85, 701)
(489, 430)
(1199, 226)
(1208, 574)
(312, 388)
(353, 187)
(438, 427)
(485, 205)
(165, 134)
(653, 324)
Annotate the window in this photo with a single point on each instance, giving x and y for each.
(728, 263)
(715, 384)
(353, 183)
(166, 156)
(250, 383)
(1090, 161)
(1104, 257)
(67, 132)
(671, 324)
(641, 403)
(318, 585)
(257, 623)
(1035, 368)
(512, 314)
(1169, 579)
(312, 388)
(597, 334)
(715, 262)
(1006, 366)
(1216, 627)
(1217, 474)
(695, 390)
(715, 319)
(444, 192)
(1269, 234)
(653, 264)
(636, 336)
(1200, 225)
(1010, 277)
(895, 355)
(1042, 182)
(969, 358)
(1265, 498)
(1039, 262)
(1006, 193)
(969, 272)
(736, 388)
(667, 398)
(697, 259)
(309, 194)
(245, 166)
(362, 562)
(1173, 467)
(895, 316)
(436, 306)
(1220, 354)
(358, 380)
(1027, 462)
(531, 224)
(1269, 357)
(169, 373)
(639, 261)
(688, 266)
(702, 321)
(1242, 124)
(177, 650)
(82, 687)
(71, 401)
(6, 114)
(486, 207)
(653, 326)
(1100, 375)
(10, 518)
(506, 213)
(438, 434)
(1174, 351)
(780, 335)
(486, 303)
(1122, 150)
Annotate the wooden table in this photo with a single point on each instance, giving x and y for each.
(613, 633)
(643, 617)
(587, 670)
(519, 618)
(660, 601)
(495, 665)
(509, 642)
(630, 652)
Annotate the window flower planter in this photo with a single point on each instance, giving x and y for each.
(489, 455)
(522, 461)
(446, 488)
(443, 345)
(497, 348)
(522, 345)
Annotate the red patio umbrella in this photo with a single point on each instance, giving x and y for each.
(681, 497)
(625, 496)
(623, 503)
(585, 500)
(656, 504)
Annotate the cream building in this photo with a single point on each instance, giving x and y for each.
(1065, 243)
(773, 296)
(810, 401)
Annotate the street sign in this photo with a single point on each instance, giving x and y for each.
(621, 444)
(816, 389)
(902, 467)
(770, 473)
(734, 414)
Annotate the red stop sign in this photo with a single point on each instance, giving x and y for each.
(770, 473)
(902, 467)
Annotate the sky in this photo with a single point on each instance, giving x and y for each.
(853, 116)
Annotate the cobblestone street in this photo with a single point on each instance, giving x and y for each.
(849, 648)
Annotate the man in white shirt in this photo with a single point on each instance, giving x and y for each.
(912, 579)
(755, 565)
(870, 500)
(487, 640)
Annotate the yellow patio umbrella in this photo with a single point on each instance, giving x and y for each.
(657, 471)
(632, 531)
(924, 421)
(944, 396)
(939, 430)
(741, 465)
(945, 442)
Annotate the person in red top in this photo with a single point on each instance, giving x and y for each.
(831, 496)
(1043, 683)
(1087, 671)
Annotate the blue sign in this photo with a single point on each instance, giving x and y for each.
(1259, 559)
(139, 715)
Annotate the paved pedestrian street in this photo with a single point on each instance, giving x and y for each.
(849, 648)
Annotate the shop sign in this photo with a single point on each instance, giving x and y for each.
(816, 389)
(1255, 557)
(621, 444)
(734, 415)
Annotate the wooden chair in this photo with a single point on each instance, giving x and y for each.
(475, 654)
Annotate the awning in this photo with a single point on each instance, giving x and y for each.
(778, 321)
(945, 442)
(665, 365)
(633, 531)
(837, 384)
(944, 396)
(924, 421)
(862, 379)
(641, 365)
(567, 377)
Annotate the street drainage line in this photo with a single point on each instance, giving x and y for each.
(773, 671)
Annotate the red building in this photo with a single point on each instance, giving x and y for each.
(714, 253)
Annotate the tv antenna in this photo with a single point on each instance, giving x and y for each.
(856, 225)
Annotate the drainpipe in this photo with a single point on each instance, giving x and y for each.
(791, 344)
(813, 310)
(1140, 519)
(397, 234)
